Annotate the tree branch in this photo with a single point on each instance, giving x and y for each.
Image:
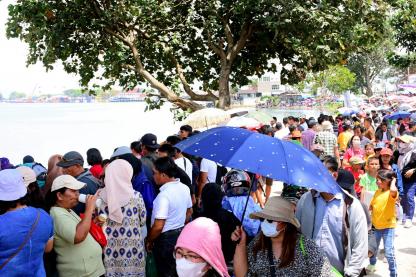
(228, 33)
(165, 92)
(220, 52)
(245, 33)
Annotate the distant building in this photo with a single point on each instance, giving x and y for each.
(270, 84)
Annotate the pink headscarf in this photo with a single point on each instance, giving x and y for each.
(203, 237)
(118, 189)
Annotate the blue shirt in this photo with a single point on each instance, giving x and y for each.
(236, 205)
(327, 232)
(15, 225)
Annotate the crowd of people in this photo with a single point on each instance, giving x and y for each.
(151, 210)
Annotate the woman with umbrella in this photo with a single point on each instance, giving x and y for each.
(279, 249)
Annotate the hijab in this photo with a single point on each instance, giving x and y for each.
(118, 189)
(406, 151)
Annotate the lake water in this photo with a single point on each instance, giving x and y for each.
(42, 130)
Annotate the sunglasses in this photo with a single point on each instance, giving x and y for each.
(268, 220)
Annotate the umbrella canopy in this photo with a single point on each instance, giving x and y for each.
(345, 111)
(397, 115)
(206, 117)
(253, 152)
(242, 121)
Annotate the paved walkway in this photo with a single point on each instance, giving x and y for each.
(405, 248)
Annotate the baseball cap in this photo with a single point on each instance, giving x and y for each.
(346, 180)
(386, 151)
(11, 185)
(122, 150)
(29, 176)
(71, 158)
(296, 134)
(149, 140)
(66, 181)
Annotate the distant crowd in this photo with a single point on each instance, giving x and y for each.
(152, 210)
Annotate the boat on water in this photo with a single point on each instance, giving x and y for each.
(127, 97)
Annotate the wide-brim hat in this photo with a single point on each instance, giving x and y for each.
(406, 138)
(277, 209)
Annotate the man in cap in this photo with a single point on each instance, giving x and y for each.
(336, 222)
(73, 164)
(328, 140)
(149, 147)
(309, 134)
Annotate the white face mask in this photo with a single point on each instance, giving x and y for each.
(269, 229)
(186, 268)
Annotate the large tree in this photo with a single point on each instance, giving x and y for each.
(370, 64)
(212, 43)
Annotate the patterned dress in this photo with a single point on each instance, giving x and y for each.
(311, 262)
(124, 254)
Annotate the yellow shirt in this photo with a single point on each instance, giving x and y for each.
(343, 140)
(384, 210)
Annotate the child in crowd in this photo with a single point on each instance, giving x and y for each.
(356, 165)
(368, 181)
(369, 151)
(383, 218)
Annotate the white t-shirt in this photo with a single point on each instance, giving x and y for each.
(186, 165)
(209, 167)
(281, 133)
(171, 204)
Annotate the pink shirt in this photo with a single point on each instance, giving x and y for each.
(351, 153)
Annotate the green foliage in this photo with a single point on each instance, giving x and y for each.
(214, 43)
(16, 95)
(404, 24)
(274, 99)
(339, 79)
(332, 107)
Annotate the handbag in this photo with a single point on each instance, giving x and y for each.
(151, 269)
(28, 236)
(97, 233)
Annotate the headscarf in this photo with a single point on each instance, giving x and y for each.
(118, 189)
(203, 237)
(5, 163)
(406, 155)
(53, 172)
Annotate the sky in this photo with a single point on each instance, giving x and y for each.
(32, 80)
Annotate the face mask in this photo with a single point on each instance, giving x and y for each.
(270, 229)
(356, 144)
(186, 268)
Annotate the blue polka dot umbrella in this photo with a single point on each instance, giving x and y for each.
(257, 153)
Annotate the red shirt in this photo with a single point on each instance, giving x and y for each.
(96, 170)
(356, 175)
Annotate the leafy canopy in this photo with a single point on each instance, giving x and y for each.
(212, 43)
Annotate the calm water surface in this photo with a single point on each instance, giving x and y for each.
(42, 130)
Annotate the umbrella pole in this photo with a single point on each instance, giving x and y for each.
(248, 197)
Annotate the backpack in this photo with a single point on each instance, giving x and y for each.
(143, 185)
(41, 173)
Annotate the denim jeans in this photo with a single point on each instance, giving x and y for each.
(388, 240)
(163, 252)
(408, 200)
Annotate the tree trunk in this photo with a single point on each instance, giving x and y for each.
(224, 101)
(368, 90)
